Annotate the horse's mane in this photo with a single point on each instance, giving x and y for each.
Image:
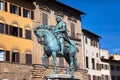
(44, 27)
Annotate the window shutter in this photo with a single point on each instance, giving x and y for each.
(7, 55)
(61, 62)
(6, 6)
(23, 12)
(45, 19)
(17, 57)
(13, 57)
(72, 30)
(20, 32)
(19, 11)
(28, 59)
(6, 29)
(28, 34)
(11, 30)
(1, 28)
(32, 15)
(10, 8)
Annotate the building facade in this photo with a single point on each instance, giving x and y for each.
(96, 59)
(114, 61)
(105, 67)
(91, 51)
(20, 53)
(45, 13)
(16, 41)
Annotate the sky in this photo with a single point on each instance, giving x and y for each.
(102, 18)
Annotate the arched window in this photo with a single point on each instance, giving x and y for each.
(4, 54)
(15, 29)
(15, 54)
(3, 5)
(28, 58)
(2, 25)
(28, 32)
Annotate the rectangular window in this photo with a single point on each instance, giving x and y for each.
(15, 57)
(2, 55)
(97, 66)
(26, 13)
(113, 77)
(92, 42)
(72, 30)
(106, 77)
(87, 62)
(1, 5)
(93, 63)
(102, 66)
(45, 19)
(29, 59)
(86, 41)
(13, 31)
(97, 55)
(89, 77)
(112, 67)
(13, 9)
(61, 61)
(28, 34)
(2, 28)
(117, 68)
(118, 77)
(94, 77)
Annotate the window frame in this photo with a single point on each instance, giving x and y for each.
(2, 29)
(2, 56)
(26, 14)
(12, 9)
(28, 34)
(2, 7)
(72, 27)
(28, 59)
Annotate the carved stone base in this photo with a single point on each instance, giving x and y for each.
(61, 77)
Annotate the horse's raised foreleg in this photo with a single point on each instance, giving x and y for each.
(43, 60)
(54, 59)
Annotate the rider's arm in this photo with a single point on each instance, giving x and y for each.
(63, 28)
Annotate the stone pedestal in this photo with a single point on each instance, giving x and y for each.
(61, 77)
(38, 72)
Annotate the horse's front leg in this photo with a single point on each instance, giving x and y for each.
(43, 60)
(54, 60)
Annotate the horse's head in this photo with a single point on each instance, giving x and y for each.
(39, 33)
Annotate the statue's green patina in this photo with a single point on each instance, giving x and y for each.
(61, 34)
(57, 43)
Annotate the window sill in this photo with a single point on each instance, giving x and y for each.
(16, 36)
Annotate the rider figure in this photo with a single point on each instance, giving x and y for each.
(61, 34)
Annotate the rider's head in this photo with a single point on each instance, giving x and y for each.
(58, 18)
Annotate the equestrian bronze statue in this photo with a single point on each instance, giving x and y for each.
(57, 44)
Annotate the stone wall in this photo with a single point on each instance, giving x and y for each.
(39, 72)
(12, 71)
